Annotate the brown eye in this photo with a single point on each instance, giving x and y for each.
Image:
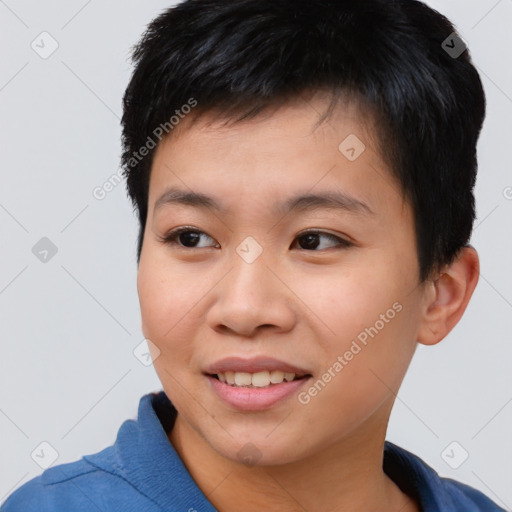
(311, 240)
(189, 238)
(185, 237)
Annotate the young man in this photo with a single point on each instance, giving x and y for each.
(303, 173)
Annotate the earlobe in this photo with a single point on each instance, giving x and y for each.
(449, 296)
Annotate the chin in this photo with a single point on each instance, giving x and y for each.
(258, 449)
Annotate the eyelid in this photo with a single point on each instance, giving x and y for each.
(170, 239)
(343, 242)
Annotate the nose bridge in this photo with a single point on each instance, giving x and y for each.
(249, 280)
(250, 296)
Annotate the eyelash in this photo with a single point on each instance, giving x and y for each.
(171, 238)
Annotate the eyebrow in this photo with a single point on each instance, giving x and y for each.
(328, 200)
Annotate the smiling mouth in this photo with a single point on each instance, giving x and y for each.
(263, 379)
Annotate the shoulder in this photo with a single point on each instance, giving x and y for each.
(51, 489)
(76, 486)
(434, 492)
(468, 498)
(116, 478)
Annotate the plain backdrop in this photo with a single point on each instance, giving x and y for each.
(70, 325)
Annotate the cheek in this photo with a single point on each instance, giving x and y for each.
(371, 323)
(167, 314)
(361, 371)
(166, 302)
(348, 302)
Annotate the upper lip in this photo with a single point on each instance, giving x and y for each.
(253, 365)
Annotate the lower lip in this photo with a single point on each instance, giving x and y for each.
(255, 399)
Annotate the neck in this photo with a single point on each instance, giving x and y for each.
(347, 476)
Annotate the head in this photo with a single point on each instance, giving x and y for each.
(252, 105)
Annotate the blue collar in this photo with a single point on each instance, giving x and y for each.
(143, 455)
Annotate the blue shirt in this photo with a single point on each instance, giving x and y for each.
(142, 472)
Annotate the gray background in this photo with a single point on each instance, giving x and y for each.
(69, 326)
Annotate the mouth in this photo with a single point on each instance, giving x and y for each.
(256, 383)
(261, 380)
(251, 392)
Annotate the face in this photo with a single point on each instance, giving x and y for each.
(330, 289)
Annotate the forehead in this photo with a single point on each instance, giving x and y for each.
(213, 160)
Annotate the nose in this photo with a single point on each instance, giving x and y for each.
(251, 298)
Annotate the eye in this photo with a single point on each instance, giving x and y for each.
(310, 240)
(188, 238)
(187, 235)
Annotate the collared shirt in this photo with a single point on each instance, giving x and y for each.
(142, 472)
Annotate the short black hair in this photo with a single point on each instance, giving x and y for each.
(402, 58)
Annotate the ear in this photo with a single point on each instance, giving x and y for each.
(447, 296)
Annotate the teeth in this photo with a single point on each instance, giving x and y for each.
(276, 377)
(242, 379)
(258, 379)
